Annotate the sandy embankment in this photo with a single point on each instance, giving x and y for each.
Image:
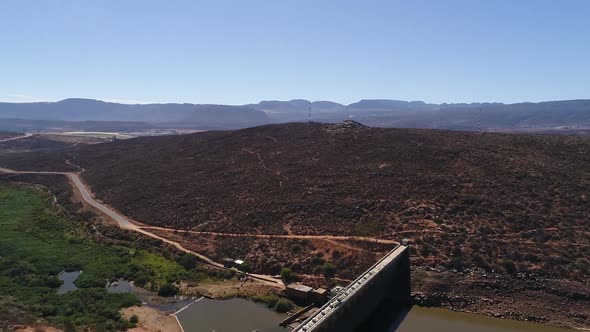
(151, 320)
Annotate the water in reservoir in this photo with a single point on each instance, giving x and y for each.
(233, 315)
(419, 319)
(119, 286)
(68, 279)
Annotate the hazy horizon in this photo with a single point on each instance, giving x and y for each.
(133, 102)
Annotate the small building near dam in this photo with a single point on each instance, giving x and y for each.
(228, 262)
(306, 295)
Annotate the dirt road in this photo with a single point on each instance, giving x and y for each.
(15, 138)
(288, 236)
(126, 223)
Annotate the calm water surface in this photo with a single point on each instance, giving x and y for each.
(68, 279)
(120, 286)
(234, 315)
(420, 319)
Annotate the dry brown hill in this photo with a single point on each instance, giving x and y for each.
(500, 223)
(446, 190)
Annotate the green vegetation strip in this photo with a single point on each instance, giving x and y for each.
(37, 242)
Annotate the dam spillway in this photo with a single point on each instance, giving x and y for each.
(387, 281)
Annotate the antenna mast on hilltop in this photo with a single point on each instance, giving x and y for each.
(479, 120)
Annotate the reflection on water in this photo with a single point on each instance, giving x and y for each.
(68, 279)
(234, 315)
(120, 286)
(419, 319)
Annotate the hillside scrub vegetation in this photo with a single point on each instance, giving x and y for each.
(475, 205)
(443, 189)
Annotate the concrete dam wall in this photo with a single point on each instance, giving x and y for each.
(387, 281)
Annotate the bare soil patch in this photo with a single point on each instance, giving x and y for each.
(151, 320)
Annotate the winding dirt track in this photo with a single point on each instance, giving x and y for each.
(288, 236)
(128, 224)
(15, 138)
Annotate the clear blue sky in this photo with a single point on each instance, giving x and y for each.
(237, 52)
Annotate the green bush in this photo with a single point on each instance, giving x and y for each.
(296, 247)
(329, 270)
(508, 265)
(317, 260)
(168, 290)
(283, 305)
(88, 280)
(271, 300)
(245, 267)
(53, 282)
(188, 261)
(336, 254)
(456, 263)
(141, 281)
(287, 275)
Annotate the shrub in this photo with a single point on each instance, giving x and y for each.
(317, 260)
(168, 290)
(141, 280)
(531, 257)
(88, 280)
(424, 250)
(188, 261)
(481, 262)
(283, 305)
(271, 300)
(456, 263)
(53, 282)
(287, 275)
(329, 270)
(134, 319)
(508, 265)
(336, 254)
(221, 274)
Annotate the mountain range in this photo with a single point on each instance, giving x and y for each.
(171, 115)
(374, 112)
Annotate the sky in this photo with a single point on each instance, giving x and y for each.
(238, 52)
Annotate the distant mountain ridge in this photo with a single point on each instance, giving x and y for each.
(418, 114)
(373, 112)
(77, 109)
